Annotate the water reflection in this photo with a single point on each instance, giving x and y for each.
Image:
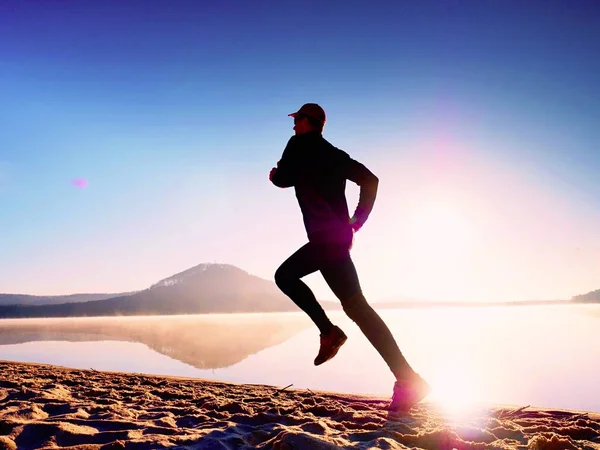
(203, 341)
(546, 356)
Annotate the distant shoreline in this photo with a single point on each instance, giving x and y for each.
(437, 304)
(21, 311)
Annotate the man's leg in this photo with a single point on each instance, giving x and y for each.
(305, 261)
(342, 278)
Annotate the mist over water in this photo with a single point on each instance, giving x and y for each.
(501, 355)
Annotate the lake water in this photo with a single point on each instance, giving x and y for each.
(547, 356)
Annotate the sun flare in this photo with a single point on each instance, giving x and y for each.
(453, 391)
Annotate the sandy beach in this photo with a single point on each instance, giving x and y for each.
(47, 407)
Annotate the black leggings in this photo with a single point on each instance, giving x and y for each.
(337, 268)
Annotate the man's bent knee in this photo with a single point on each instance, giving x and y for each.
(281, 278)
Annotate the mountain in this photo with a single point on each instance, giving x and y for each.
(590, 297)
(206, 288)
(20, 299)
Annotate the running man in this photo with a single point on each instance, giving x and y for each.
(318, 172)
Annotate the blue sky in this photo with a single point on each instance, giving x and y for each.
(480, 118)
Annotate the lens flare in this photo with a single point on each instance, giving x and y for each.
(80, 183)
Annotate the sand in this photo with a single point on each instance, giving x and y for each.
(47, 407)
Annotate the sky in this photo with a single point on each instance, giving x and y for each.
(136, 140)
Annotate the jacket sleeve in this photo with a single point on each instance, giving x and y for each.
(286, 173)
(368, 183)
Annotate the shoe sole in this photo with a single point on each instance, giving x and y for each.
(334, 351)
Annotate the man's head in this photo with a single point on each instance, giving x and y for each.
(310, 117)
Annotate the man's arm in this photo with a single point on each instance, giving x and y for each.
(285, 174)
(368, 182)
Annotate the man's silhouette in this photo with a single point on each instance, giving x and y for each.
(318, 172)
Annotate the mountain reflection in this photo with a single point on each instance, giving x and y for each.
(203, 341)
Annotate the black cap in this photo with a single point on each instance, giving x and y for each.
(311, 110)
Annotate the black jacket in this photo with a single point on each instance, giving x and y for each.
(318, 171)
